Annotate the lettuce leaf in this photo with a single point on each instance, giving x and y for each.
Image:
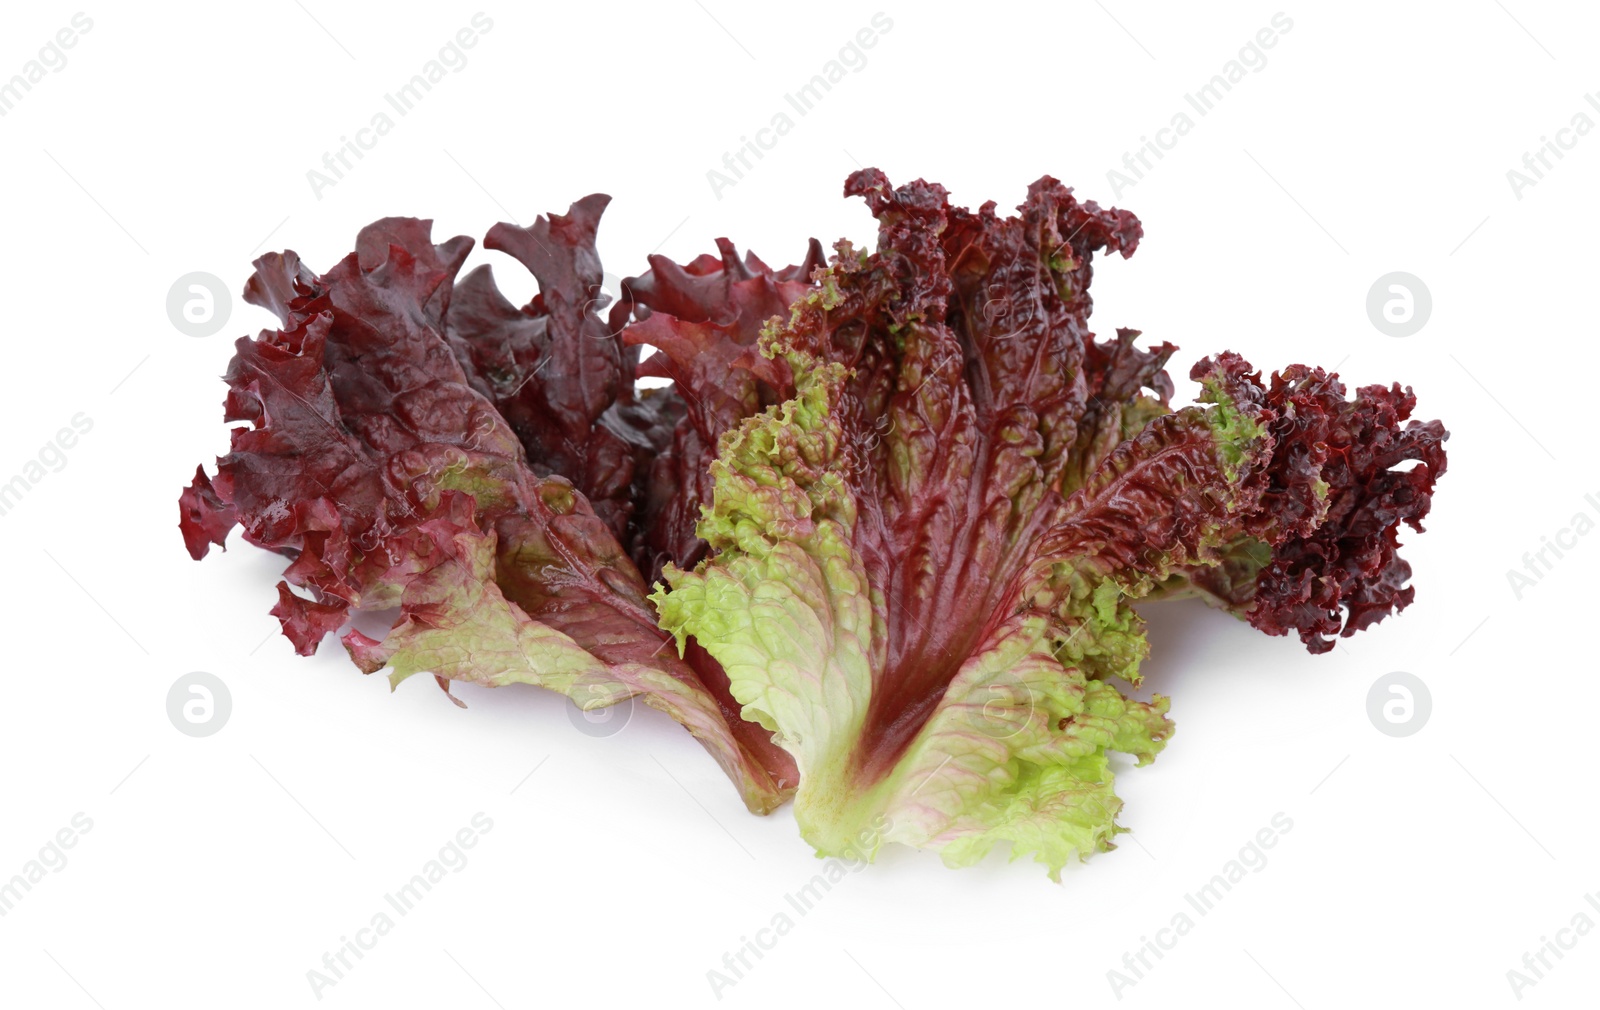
(388, 476)
(923, 563)
(879, 545)
(703, 318)
(1320, 557)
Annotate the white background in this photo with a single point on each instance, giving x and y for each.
(218, 871)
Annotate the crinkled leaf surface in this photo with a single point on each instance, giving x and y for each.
(389, 477)
(896, 509)
(922, 563)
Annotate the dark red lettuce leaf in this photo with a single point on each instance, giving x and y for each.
(566, 380)
(558, 373)
(704, 318)
(1332, 514)
(1116, 373)
(374, 463)
(204, 518)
